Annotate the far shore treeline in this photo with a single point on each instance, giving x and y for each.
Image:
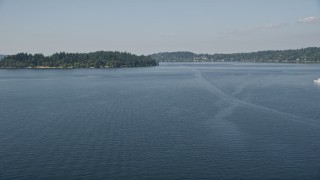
(99, 59)
(115, 59)
(304, 55)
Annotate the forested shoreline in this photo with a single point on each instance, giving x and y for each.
(304, 55)
(114, 59)
(99, 59)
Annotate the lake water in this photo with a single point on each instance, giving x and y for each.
(174, 121)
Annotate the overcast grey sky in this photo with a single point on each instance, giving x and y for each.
(150, 26)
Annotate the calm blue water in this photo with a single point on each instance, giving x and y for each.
(175, 121)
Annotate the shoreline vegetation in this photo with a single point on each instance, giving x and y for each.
(62, 60)
(115, 59)
(304, 55)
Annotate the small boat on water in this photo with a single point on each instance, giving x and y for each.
(317, 81)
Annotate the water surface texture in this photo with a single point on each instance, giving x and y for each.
(174, 121)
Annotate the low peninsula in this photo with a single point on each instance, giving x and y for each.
(99, 59)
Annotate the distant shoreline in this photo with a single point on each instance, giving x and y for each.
(63, 60)
(180, 62)
(304, 55)
(47, 67)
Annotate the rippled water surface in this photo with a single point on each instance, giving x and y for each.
(174, 121)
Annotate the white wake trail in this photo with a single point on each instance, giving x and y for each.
(236, 102)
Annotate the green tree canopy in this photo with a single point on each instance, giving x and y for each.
(99, 59)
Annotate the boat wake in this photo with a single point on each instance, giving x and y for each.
(234, 102)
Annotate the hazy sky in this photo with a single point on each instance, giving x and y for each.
(149, 26)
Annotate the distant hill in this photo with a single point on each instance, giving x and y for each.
(175, 56)
(99, 59)
(305, 55)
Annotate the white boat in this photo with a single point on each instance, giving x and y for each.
(317, 81)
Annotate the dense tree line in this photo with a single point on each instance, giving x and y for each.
(100, 59)
(305, 55)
